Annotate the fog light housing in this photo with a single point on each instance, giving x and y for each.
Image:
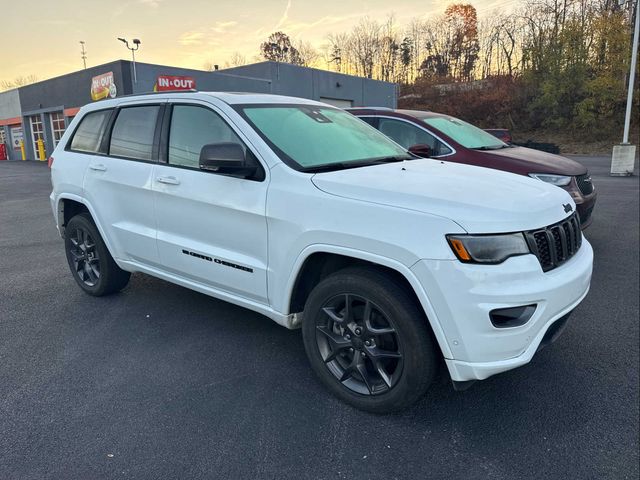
(512, 316)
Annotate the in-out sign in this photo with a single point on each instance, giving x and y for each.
(174, 82)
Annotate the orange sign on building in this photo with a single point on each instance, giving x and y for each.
(103, 86)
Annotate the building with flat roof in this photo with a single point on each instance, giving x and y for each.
(43, 110)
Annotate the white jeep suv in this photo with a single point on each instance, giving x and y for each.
(306, 214)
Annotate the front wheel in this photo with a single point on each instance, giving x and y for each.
(368, 341)
(91, 264)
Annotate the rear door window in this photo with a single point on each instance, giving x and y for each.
(88, 135)
(133, 132)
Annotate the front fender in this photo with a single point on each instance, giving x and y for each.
(399, 267)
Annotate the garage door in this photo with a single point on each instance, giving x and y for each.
(337, 103)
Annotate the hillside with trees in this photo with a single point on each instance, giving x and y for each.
(550, 68)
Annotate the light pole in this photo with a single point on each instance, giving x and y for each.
(83, 54)
(624, 155)
(632, 76)
(136, 42)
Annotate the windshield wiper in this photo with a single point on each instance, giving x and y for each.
(329, 167)
(395, 158)
(495, 147)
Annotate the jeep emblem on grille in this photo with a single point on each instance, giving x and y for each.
(567, 207)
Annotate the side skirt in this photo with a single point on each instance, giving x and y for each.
(290, 321)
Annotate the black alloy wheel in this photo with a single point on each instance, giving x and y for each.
(368, 339)
(359, 344)
(91, 264)
(85, 257)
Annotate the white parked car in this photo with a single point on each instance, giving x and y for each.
(306, 214)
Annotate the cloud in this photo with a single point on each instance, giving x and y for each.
(221, 27)
(298, 27)
(290, 26)
(206, 36)
(284, 18)
(191, 38)
(150, 3)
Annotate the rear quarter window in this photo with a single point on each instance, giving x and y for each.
(88, 135)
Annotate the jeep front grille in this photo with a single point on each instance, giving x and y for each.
(557, 243)
(585, 184)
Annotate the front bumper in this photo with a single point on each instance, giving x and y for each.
(462, 295)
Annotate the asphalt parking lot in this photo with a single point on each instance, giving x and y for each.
(162, 382)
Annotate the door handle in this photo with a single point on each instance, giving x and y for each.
(168, 180)
(99, 167)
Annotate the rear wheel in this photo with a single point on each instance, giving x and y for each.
(91, 264)
(368, 341)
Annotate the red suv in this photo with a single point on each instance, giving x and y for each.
(435, 135)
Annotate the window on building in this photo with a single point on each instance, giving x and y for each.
(3, 136)
(193, 127)
(37, 131)
(58, 126)
(88, 135)
(132, 134)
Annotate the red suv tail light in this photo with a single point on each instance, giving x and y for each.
(50, 162)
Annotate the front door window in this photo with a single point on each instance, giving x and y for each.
(408, 135)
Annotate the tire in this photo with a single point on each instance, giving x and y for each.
(399, 340)
(90, 262)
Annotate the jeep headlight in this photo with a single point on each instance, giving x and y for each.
(557, 180)
(488, 249)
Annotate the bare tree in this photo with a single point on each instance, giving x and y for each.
(20, 81)
(365, 42)
(416, 33)
(236, 60)
(438, 47)
(388, 53)
(337, 52)
(308, 54)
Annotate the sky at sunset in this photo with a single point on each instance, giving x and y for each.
(44, 34)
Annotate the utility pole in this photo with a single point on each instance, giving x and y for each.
(137, 43)
(624, 155)
(83, 54)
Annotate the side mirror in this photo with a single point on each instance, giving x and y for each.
(227, 158)
(421, 150)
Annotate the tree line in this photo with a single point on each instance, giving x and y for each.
(548, 65)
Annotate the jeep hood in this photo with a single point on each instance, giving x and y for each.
(528, 160)
(480, 200)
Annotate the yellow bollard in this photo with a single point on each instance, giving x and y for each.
(24, 155)
(41, 153)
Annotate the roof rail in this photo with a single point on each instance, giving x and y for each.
(370, 108)
(191, 90)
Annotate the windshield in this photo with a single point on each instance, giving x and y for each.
(465, 134)
(311, 137)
